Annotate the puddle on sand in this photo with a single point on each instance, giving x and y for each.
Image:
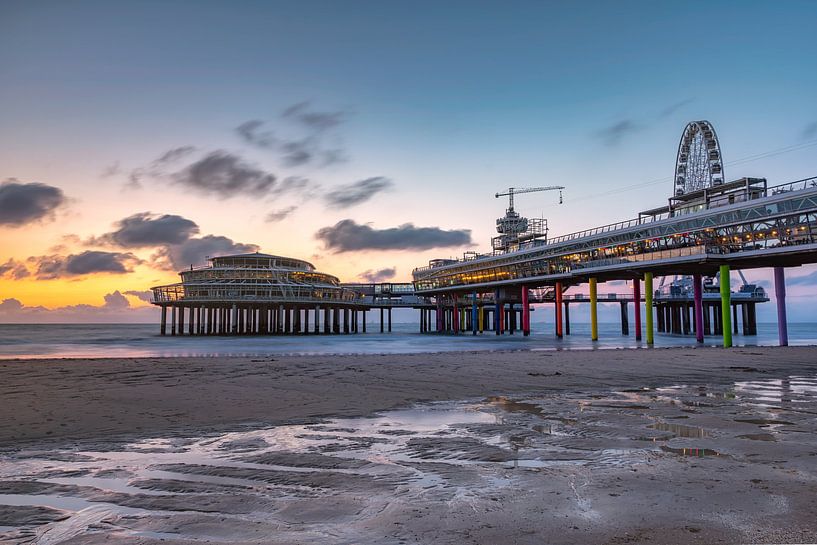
(688, 451)
(679, 430)
(342, 470)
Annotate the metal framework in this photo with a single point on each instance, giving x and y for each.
(699, 164)
(778, 222)
(249, 278)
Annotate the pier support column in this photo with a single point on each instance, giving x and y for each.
(234, 320)
(726, 315)
(625, 320)
(474, 314)
(327, 320)
(637, 301)
(648, 307)
(173, 320)
(497, 313)
(455, 316)
(558, 295)
(525, 311)
(594, 315)
(381, 320)
(163, 328)
(697, 296)
(780, 295)
(389, 319)
(567, 318)
(511, 318)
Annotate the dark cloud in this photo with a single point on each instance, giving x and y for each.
(22, 203)
(225, 175)
(615, 133)
(672, 108)
(14, 269)
(313, 119)
(251, 133)
(348, 236)
(279, 215)
(146, 229)
(810, 131)
(158, 167)
(89, 262)
(358, 192)
(380, 275)
(298, 152)
(145, 295)
(194, 251)
(310, 143)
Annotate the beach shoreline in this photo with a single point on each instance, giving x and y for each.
(56, 400)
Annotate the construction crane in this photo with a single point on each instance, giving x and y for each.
(513, 229)
(517, 190)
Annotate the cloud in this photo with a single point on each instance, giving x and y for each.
(348, 236)
(672, 108)
(194, 251)
(279, 215)
(320, 121)
(225, 175)
(14, 269)
(349, 195)
(158, 167)
(111, 170)
(805, 280)
(615, 133)
(380, 275)
(145, 295)
(88, 262)
(308, 146)
(147, 229)
(22, 203)
(251, 133)
(116, 307)
(810, 131)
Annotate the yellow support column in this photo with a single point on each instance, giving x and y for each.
(648, 306)
(594, 316)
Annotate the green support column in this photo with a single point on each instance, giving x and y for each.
(648, 306)
(594, 316)
(726, 302)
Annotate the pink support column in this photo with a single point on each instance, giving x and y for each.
(637, 301)
(525, 312)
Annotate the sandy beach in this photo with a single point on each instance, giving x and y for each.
(607, 446)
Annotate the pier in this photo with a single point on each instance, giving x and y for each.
(708, 228)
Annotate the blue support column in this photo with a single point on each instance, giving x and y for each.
(497, 313)
(474, 314)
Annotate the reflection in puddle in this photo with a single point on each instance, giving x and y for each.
(679, 430)
(685, 451)
(333, 471)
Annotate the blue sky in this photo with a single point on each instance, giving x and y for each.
(448, 101)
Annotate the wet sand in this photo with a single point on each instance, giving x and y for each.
(613, 446)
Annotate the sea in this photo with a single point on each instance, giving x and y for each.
(143, 340)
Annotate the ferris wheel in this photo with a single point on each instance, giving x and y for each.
(699, 164)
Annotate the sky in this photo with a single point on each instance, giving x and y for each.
(136, 139)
